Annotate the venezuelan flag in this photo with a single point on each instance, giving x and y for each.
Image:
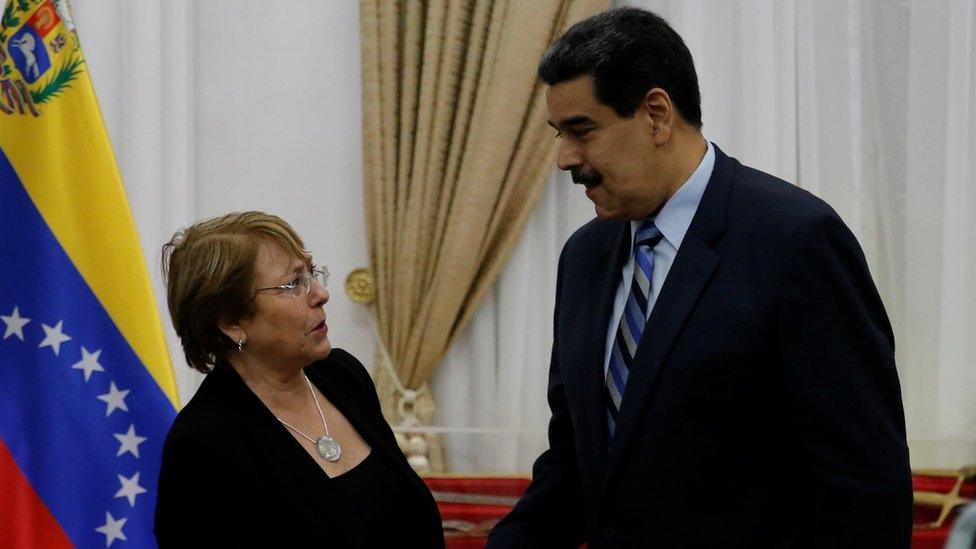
(86, 388)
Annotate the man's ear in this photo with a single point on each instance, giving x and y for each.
(659, 112)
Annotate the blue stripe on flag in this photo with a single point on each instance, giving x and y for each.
(50, 417)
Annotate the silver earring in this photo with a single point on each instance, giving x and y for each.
(240, 345)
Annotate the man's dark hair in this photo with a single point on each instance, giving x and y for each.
(628, 51)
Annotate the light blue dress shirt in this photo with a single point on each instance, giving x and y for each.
(673, 221)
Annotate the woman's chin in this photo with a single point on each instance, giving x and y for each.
(317, 344)
(323, 349)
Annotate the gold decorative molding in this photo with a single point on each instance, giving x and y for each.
(359, 286)
(424, 451)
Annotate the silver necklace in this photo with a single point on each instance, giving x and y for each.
(327, 446)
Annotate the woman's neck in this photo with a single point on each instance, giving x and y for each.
(279, 388)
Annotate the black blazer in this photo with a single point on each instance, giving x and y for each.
(764, 408)
(232, 475)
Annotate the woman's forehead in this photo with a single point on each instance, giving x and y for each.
(274, 260)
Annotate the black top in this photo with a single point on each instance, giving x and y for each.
(373, 500)
(232, 475)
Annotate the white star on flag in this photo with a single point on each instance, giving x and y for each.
(54, 337)
(129, 442)
(114, 399)
(15, 324)
(130, 488)
(112, 529)
(88, 363)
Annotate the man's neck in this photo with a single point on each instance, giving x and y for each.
(690, 149)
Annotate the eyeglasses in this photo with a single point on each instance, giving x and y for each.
(295, 287)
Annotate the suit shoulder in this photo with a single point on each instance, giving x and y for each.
(343, 372)
(342, 365)
(595, 234)
(758, 197)
(206, 415)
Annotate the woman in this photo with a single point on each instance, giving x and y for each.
(284, 442)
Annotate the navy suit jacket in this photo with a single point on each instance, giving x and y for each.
(763, 408)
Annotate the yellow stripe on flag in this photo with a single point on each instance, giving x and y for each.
(65, 161)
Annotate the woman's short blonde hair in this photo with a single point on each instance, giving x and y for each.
(209, 272)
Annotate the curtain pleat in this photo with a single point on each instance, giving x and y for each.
(456, 151)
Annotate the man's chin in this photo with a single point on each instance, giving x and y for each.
(604, 213)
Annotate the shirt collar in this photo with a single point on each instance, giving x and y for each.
(675, 216)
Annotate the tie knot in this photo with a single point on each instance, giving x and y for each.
(647, 234)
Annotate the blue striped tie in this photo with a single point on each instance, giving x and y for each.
(631, 321)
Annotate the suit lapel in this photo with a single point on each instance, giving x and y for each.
(588, 368)
(687, 279)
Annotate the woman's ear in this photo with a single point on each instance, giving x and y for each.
(233, 330)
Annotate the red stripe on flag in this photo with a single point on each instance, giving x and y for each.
(25, 520)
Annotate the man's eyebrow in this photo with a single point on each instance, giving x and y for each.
(572, 121)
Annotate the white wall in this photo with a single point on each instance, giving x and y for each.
(273, 123)
(219, 106)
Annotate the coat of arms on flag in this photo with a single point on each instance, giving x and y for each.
(35, 35)
(86, 388)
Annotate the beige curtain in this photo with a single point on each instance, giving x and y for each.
(456, 151)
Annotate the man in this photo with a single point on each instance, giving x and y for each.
(722, 370)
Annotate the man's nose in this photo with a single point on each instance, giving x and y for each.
(569, 156)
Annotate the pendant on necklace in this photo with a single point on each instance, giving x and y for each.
(328, 448)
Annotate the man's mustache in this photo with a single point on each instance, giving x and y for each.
(588, 179)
